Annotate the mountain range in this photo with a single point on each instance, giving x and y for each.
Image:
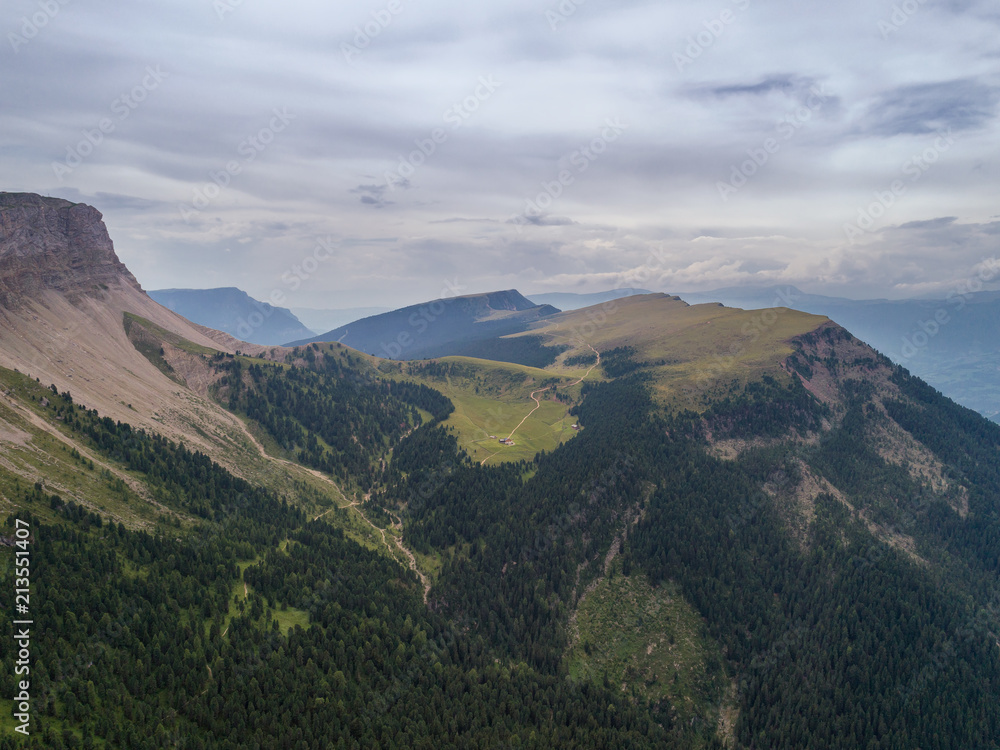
(684, 526)
(947, 342)
(235, 312)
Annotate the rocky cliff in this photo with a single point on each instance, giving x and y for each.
(52, 244)
(64, 296)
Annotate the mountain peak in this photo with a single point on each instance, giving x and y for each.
(509, 299)
(51, 243)
(428, 329)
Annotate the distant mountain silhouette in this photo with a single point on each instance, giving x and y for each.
(440, 327)
(235, 312)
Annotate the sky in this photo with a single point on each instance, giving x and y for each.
(387, 152)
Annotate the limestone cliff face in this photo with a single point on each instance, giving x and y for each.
(64, 296)
(50, 243)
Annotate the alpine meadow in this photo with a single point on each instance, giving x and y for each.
(536, 374)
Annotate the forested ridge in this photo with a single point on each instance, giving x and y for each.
(842, 641)
(328, 415)
(145, 644)
(861, 614)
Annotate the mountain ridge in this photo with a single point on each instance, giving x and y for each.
(716, 528)
(235, 312)
(431, 328)
(948, 342)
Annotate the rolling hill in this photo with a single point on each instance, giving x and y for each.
(716, 528)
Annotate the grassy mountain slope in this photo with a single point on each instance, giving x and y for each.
(947, 342)
(763, 535)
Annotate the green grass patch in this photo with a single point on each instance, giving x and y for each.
(163, 335)
(290, 617)
(650, 642)
(492, 400)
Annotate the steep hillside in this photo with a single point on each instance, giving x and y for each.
(436, 328)
(716, 528)
(64, 296)
(235, 312)
(64, 321)
(949, 342)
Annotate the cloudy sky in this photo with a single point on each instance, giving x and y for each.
(387, 151)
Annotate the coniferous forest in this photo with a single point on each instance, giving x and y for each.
(829, 635)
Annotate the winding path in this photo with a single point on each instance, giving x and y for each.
(411, 558)
(538, 403)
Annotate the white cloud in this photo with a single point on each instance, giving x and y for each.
(654, 187)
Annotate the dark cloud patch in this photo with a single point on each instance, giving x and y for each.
(373, 195)
(542, 220)
(784, 83)
(795, 87)
(918, 109)
(944, 221)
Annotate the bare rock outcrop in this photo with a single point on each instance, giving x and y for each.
(53, 244)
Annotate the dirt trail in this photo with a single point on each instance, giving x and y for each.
(399, 543)
(137, 487)
(538, 403)
(413, 566)
(350, 504)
